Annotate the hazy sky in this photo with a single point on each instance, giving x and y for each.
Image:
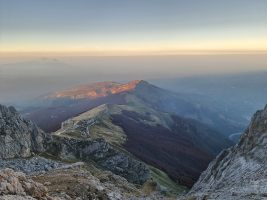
(47, 45)
(98, 27)
(26, 79)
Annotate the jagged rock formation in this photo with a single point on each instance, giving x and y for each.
(241, 171)
(29, 166)
(103, 154)
(15, 185)
(18, 137)
(65, 184)
(71, 184)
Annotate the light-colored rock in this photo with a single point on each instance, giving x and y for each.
(16, 183)
(32, 165)
(81, 184)
(19, 137)
(241, 171)
(103, 154)
(15, 197)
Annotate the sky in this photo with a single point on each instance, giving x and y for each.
(46, 45)
(127, 27)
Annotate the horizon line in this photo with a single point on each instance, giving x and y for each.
(130, 53)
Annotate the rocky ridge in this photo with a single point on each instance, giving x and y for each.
(19, 137)
(30, 166)
(21, 140)
(103, 154)
(48, 112)
(70, 182)
(15, 185)
(239, 172)
(95, 90)
(64, 184)
(138, 131)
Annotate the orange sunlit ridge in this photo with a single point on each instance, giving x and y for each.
(96, 90)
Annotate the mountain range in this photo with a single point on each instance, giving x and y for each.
(146, 121)
(237, 173)
(135, 141)
(51, 110)
(236, 95)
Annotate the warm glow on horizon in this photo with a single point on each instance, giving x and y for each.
(132, 28)
(241, 46)
(209, 42)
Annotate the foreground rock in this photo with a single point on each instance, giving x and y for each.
(241, 171)
(15, 185)
(19, 137)
(71, 183)
(81, 184)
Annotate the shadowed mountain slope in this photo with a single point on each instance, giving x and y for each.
(181, 147)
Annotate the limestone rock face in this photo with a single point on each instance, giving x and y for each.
(18, 137)
(30, 166)
(77, 184)
(15, 183)
(241, 171)
(103, 154)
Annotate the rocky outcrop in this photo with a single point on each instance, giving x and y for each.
(103, 154)
(71, 184)
(68, 184)
(15, 185)
(30, 166)
(241, 171)
(19, 137)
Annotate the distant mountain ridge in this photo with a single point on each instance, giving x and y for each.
(236, 95)
(96, 90)
(51, 110)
